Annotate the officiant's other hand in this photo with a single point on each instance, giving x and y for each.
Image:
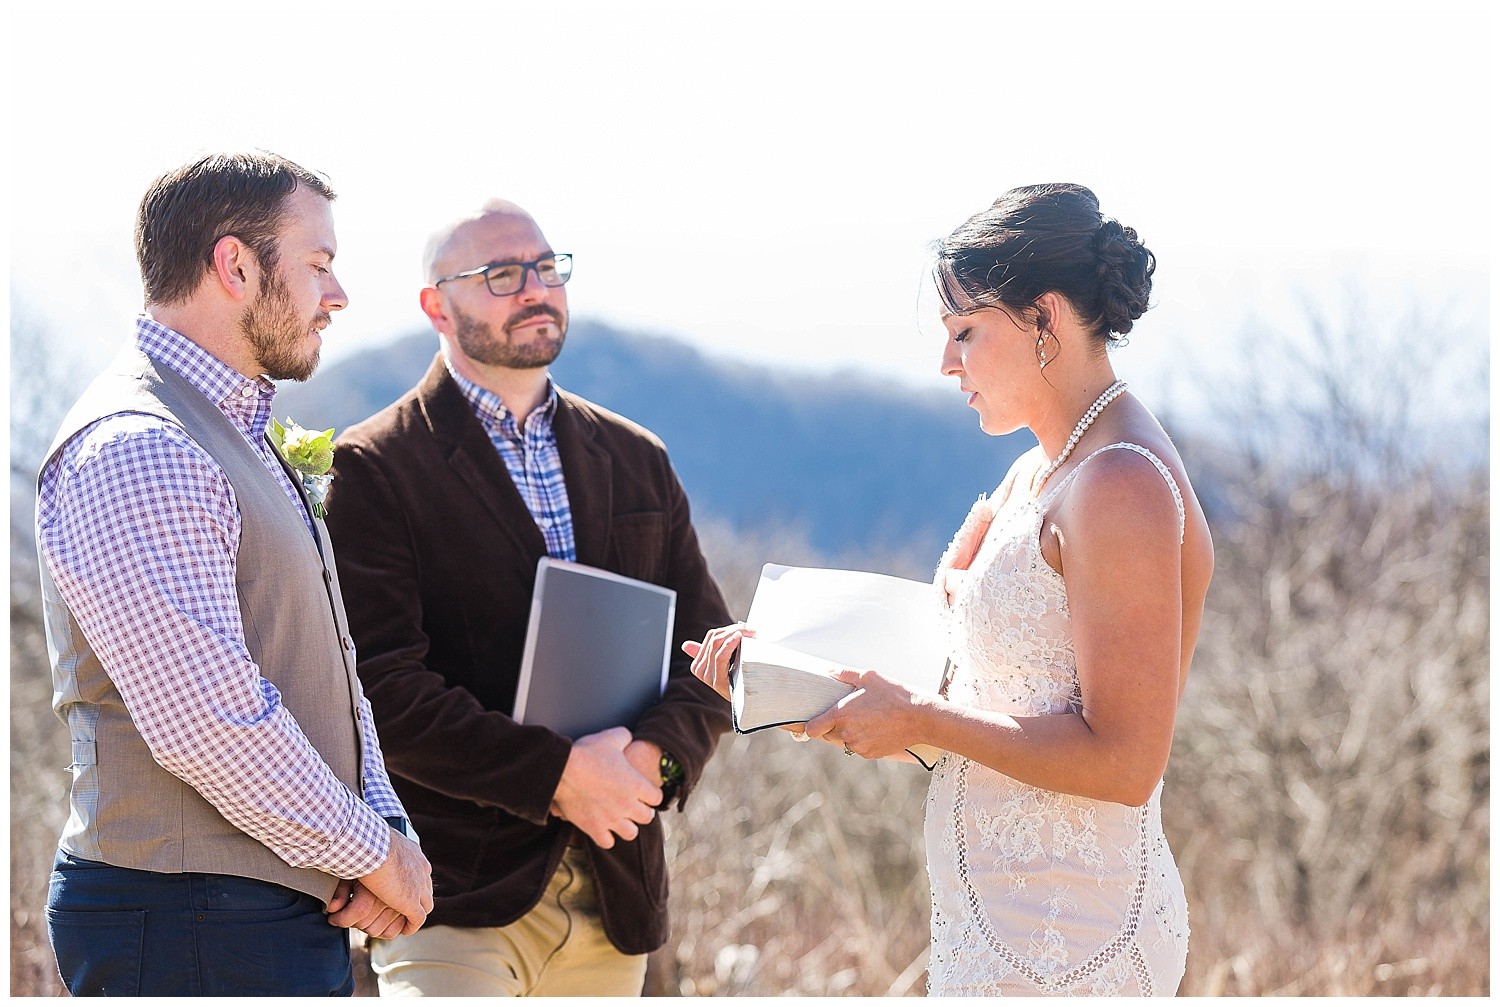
(878, 720)
(645, 758)
(712, 657)
(601, 792)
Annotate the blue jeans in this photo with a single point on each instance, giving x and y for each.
(122, 932)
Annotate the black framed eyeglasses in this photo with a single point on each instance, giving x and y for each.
(506, 278)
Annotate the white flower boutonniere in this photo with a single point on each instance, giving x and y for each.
(310, 454)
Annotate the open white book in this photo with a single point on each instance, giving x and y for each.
(810, 622)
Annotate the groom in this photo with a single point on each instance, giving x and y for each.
(227, 784)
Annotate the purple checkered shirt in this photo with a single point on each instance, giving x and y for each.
(531, 458)
(140, 529)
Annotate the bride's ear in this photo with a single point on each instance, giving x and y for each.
(1053, 310)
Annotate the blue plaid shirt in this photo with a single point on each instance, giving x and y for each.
(531, 457)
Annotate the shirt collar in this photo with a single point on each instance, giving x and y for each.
(245, 401)
(493, 413)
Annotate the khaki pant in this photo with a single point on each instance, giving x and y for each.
(557, 949)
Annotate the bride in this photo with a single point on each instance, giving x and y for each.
(1072, 599)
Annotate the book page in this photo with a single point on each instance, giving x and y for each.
(850, 618)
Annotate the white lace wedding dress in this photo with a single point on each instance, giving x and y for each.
(1037, 892)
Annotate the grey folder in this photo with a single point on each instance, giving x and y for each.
(597, 648)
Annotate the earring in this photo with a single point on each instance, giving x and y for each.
(1041, 352)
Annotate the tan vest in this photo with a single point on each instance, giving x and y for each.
(125, 809)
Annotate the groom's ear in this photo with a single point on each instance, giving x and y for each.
(236, 268)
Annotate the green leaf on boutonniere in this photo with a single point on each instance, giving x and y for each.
(310, 455)
(307, 451)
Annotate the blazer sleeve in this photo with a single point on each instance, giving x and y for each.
(691, 716)
(434, 734)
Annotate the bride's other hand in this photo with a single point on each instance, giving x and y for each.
(712, 657)
(878, 720)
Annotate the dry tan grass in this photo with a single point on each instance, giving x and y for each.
(797, 871)
(1327, 799)
(38, 806)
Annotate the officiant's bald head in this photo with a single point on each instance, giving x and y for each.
(445, 246)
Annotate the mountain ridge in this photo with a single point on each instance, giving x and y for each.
(853, 464)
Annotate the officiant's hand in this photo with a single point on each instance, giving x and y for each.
(878, 720)
(601, 792)
(645, 758)
(712, 657)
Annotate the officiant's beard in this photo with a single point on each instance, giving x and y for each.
(477, 339)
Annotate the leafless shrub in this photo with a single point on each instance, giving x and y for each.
(38, 804)
(1328, 794)
(795, 870)
(43, 384)
(1328, 791)
(1329, 788)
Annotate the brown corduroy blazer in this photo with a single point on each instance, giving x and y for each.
(437, 555)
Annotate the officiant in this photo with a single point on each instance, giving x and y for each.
(548, 864)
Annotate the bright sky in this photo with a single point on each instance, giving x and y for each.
(763, 178)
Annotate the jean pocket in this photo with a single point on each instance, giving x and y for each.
(98, 953)
(249, 897)
(259, 953)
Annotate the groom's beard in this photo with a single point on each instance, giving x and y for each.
(278, 336)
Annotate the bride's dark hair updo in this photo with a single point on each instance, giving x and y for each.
(1040, 238)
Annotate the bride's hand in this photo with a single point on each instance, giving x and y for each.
(712, 657)
(878, 720)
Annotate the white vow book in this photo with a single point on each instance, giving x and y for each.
(809, 622)
(597, 649)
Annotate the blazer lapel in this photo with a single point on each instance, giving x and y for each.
(475, 461)
(588, 472)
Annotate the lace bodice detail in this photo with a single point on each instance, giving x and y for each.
(1036, 891)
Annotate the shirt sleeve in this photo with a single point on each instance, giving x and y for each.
(140, 531)
(379, 793)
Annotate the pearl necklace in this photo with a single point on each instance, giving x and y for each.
(1087, 420)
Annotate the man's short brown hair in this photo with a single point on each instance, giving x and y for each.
(187, 210)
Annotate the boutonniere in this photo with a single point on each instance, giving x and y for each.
(310, 454)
